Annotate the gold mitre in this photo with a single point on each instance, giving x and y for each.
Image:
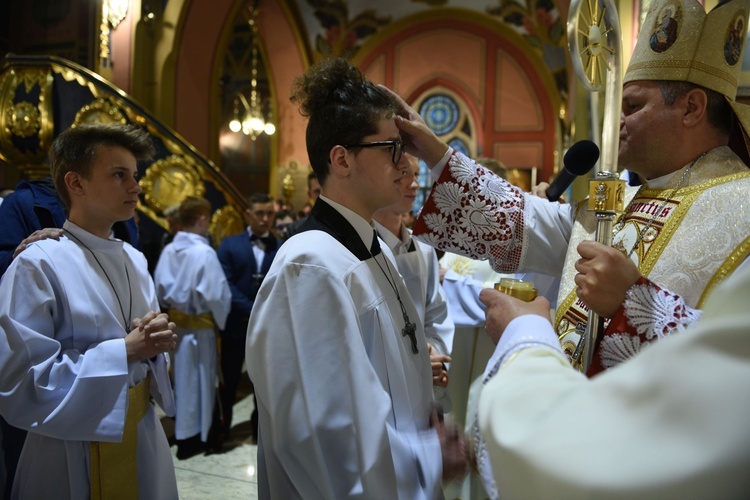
(680, 42)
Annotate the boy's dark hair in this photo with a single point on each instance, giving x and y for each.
(75, 150)
(342, 107)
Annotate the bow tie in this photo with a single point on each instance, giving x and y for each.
(268, 242)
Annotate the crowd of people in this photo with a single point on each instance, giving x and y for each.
(380, 370)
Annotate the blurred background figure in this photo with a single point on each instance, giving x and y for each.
(313, 191)
(408, 218)
(283, 219)
(245, 259)
(191, 286)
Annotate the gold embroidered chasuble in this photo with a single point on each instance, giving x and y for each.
(697, 235)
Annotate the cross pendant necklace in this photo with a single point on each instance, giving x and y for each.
(409, 329)
(117, 296)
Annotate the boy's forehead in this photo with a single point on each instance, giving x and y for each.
(109, 156)
(387, 129)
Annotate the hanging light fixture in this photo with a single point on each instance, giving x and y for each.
(248, 115)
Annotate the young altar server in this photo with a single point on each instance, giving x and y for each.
(418, 264)
(192, 288)
(335, 346)
(82, 345)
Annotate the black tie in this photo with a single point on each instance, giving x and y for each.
(267, 242)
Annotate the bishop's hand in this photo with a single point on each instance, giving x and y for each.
(419, 139)
(604, 275)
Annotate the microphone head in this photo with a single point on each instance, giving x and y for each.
(581, 157)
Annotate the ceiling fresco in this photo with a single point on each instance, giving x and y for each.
(339, 27)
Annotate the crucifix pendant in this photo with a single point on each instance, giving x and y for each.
(411, 330)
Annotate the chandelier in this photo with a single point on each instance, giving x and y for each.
(248, 114)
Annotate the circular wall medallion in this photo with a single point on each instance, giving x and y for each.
(440, 112)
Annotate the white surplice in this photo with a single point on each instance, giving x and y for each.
(344, 402)
(189, 278)
(671, 423)
(418, 265)
(64, 374)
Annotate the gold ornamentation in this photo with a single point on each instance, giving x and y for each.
(683, 43)
(25, 119)
(288, 188)
(226, 221)
(31, 77)
(101, 110)
(169, 181)
(26, 113)
(606, 195)
(165, 183)
(658, 213)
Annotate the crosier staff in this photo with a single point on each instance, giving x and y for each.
(600, 44)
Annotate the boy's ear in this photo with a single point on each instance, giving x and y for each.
(339, 165)
(73, 184)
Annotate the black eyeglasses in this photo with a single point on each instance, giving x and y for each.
(397, 148)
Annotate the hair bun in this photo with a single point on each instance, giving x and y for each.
(330, 82)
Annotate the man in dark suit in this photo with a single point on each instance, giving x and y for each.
(246, 258)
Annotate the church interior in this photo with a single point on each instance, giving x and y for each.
(210, 81)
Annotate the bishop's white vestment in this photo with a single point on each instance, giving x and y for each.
(679, 229)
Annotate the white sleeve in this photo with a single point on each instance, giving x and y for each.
(438, 323)
(462, 295)
(52, 380)
(213, 287)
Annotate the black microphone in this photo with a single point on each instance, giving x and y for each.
(579, 159)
